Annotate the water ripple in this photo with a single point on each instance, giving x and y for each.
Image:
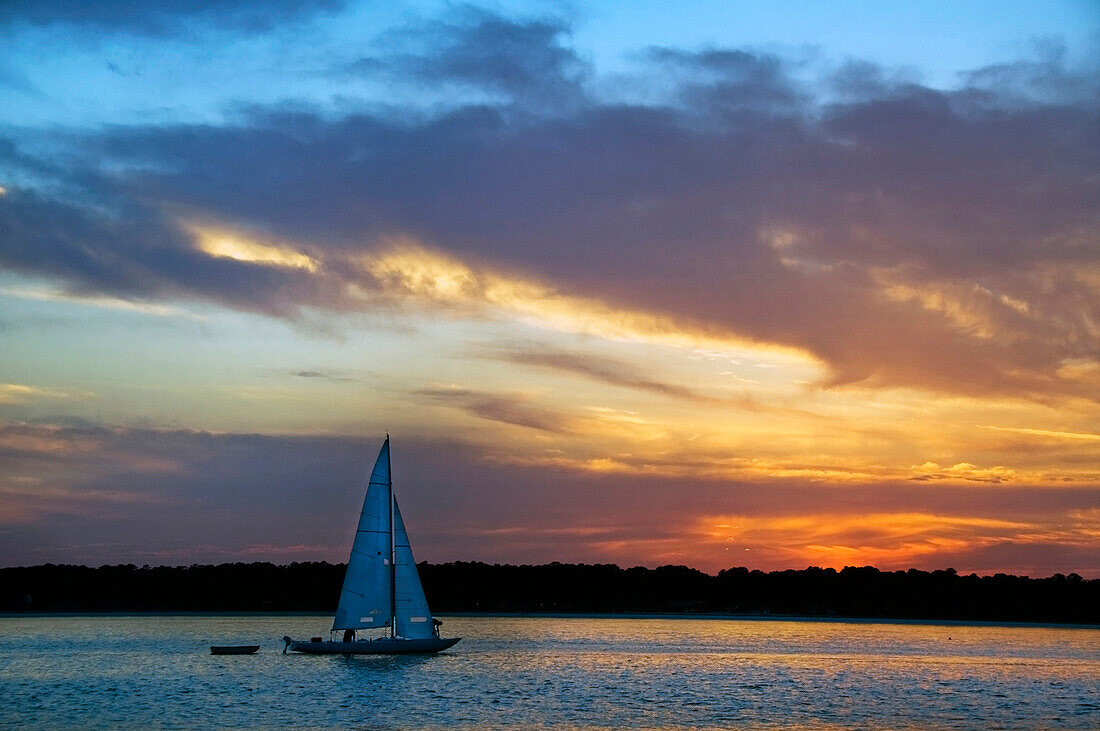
(112, 672)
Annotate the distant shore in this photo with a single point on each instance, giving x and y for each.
(854, 594)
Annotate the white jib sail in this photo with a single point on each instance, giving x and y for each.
(414, 620)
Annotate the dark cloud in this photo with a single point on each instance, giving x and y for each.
(126, 491)
(1043, 78)
(724, 81)
(523, 60)
(612, 372)
(161, 17)
(322, 375)
(505, 408)
(861, 80)
(600, 369)
(905, 235)
(138, 255)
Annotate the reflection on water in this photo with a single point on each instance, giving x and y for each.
(110, 672)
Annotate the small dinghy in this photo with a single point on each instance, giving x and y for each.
(233, 649)
(382, 588)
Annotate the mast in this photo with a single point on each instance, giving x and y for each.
(393, 550)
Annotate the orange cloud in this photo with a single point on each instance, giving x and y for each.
(883, 539)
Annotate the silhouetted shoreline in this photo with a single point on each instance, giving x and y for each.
(567, 590)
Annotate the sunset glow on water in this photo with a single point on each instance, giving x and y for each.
(110, 672)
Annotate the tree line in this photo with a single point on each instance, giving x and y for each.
(563, 588)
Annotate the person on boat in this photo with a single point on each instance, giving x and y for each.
(435, 626)
(349, 635)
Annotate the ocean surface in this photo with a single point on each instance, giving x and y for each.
(156, 672)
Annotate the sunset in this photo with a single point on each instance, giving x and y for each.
(550, 364)
(717, 288)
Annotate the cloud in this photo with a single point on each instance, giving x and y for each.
(18, 393)
(1042, 78)
(140, 258)
(600, 369)
(522, 60)
(46, 294)
(962, 471)
(731, 81)
(512, 409)
(98, 494)
(161, 17)
(226, 245)
(618, 373)
(1043, 432)
(322, 375)
(901, 235)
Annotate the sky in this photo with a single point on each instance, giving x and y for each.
(733, 284)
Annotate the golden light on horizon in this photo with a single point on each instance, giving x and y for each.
(883, 539)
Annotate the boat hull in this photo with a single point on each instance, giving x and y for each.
(381, 646)
(233, 649)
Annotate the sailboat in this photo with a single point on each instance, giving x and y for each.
(382, 588)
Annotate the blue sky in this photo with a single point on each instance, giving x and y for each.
(189, 67)
(765, 284)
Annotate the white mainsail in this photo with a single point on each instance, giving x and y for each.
(365, 597)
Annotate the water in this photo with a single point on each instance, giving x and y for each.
(112, 672)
